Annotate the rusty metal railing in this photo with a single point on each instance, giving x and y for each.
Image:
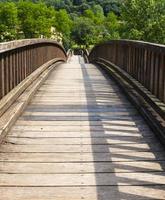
(143, 61)
(18, 59)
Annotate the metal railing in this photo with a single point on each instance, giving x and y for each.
(143, 61)
(18, 59)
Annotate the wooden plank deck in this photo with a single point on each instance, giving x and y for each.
(80, 138)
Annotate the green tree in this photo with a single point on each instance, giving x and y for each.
(111, 27)
(63, 24)
(78, 2)
(111, 6)
(144, 20)
(89, 14)
(98, 13)
(84, 32)
(8, 21)
(35, 19)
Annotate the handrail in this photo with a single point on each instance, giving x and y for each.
(85, 55)
(142, 60)
(18, 59)
(69, 54)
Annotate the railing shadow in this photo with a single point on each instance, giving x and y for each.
(132, 158)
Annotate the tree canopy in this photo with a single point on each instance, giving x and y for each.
(35, 19)
(144, 20)
(83, 22)
(8, 21)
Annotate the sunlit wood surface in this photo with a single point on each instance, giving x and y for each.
(80, 138)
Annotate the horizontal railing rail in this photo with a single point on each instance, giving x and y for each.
(18, 59)
(143, 61)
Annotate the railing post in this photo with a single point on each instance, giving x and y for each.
(2, 77)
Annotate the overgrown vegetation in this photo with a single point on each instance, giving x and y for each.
(83, 22)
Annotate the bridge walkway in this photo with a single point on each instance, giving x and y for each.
(80, 138)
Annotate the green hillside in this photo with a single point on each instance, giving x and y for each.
(83, 22)
(79, 6)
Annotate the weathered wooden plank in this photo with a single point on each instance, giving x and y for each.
(101, 167)
(78, 108)
(72, 134)
(87, 193)
(77, 128)
(62, 102)
(80, 148)
(134, 178)
(89, 141)
(87, 115)
(76, 94)
(126, 123)
(81, 157)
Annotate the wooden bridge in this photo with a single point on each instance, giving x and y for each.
(75, 130)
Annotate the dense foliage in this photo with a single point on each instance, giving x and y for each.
(79, 6)
(83, 22)
(144, 20)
